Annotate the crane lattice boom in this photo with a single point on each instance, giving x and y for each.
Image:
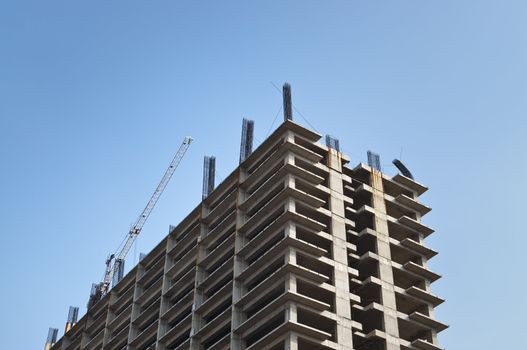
(138, 226)
(114, 260)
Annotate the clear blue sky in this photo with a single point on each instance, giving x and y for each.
(96, 96)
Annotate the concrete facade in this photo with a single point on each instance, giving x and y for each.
(293, 250)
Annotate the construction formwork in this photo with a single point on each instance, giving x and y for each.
(293, 250)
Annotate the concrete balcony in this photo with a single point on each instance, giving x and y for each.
(121, 318)
(424, 345)
(178, 247)
(153, 291)
(214, 326)
(177, 333)
(217, 278)
(278, 333)
(146, 337)
(222, 344)
(410, 184)
(415, 226)
(415, 325)
(427, 321)
(95, 325)
(425, 296)
(215, 302)
(179, 287)
(421, 271)
(418, 248)
(180, 309)
(150, 311)
(119, 338)
(217, 255)
(150, 275)
(412, 204)
(226, 205)
(96, 340)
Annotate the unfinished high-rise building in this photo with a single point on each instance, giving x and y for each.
(295, 249)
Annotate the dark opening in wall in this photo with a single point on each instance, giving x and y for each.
(216, 337)
(267, 155)
(273, 169)
(405, 280)
(409, 305)
(361, 198)
(226, 256)
(373, 344)
(369, 293)
(255, 231)
(226, 234)
(265, 329)
(312, 238)
(315, 265)
(216, 287)
(304, 344)
(363, 220)
(150, 344)
(180, 317)
(368, 267)
(265, 198)
(226, 304)
(179, 340)
(316, 321)
(310, 167)
(313, 191)
(264, 300)
(315, 292)
(394, 189)
(395, 210)
(263, 275)
(275, 239)
(313, 214)
(399, 233)
(366, 243)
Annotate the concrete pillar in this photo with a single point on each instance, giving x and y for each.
(136, 308)
(239, 289)
(291, 342)
(162, 327)
(391, 327)
(201, 275)
(344, 337)
(109, 317)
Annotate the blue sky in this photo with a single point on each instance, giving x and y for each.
(96, 96)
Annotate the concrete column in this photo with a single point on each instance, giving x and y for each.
(239, 289)
(391, 327)
(201, 275)
(290, 205)
(290, 230)
(109, 317)
(291, 312)
(344, 337)
(290, 258)
(85, 337)
(136, 309)
(162, 327)
(291, 342)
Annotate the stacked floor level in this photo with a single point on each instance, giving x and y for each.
(293, 250)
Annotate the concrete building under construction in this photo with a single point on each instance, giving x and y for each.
(295, 249)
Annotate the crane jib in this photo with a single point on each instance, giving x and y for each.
(112, 263)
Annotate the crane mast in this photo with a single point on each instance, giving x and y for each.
(114, 261)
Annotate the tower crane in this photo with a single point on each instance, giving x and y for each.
(114, 261)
